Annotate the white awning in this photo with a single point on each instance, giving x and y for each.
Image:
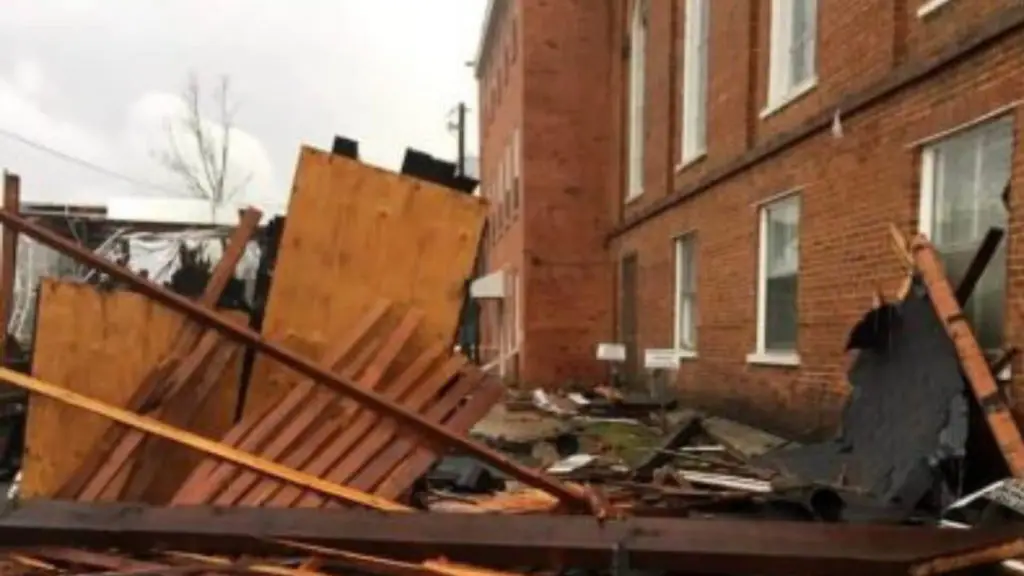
(490, 286)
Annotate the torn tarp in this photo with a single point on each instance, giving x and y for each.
(906, 413)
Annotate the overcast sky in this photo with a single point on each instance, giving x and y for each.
(99, 80)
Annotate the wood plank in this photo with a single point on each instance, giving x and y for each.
(305, 457)
(194, 441)
(975, 367)
(411, 466)
(196, 488)
(411, 422)
(153, 389)
(321, 405)
(326, 461)
(356, 232)
(367, 448)
(497, 540)
(8, 260)
(102, 344)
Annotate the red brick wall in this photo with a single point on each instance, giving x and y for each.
(499, 116)
(568, 49)
(851, 187)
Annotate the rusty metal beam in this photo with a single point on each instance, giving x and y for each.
(511, 541)
(972, 359)
(411, 422)
(8, 259)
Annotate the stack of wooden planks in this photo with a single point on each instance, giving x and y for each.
(354, 394)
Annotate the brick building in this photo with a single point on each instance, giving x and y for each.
(549, 295)
(759, 150)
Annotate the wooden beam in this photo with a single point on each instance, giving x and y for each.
(769, 548)
(411, 423)
(8, 259)
(972, 359)
(196, 442)
(107, 469)
(978, 264)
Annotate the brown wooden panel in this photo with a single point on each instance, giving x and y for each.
(412, 466)
(366, 448)
(102, 344)
(356, 232)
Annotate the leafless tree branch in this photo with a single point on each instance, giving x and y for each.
(206, 176)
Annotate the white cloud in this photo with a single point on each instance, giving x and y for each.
(130, 150)
(94, 79)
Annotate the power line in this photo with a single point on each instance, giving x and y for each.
(87, 164)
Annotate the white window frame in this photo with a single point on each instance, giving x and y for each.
(761, 354)
(685, 350)
(693, 144)
(929, 186)
(507, 184)
(637, 97)
(782, 88)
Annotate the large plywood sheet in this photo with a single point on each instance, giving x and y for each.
(355, 233)
(101, 344)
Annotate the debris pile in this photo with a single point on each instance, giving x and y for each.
(329, 428)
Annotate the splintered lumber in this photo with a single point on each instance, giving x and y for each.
(102, 344)
(104, 473)
(194, 441)
(354, 233)
(8, 260)
(975, 367)
(543, 541)
(410, 422)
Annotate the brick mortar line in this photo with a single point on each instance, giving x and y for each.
(997, 26)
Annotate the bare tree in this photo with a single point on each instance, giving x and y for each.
(198, 151)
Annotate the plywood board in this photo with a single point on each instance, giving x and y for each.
(101, 344)
(355, 233)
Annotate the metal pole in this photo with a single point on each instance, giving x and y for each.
(461, 127)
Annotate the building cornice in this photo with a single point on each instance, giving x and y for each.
(491, 15)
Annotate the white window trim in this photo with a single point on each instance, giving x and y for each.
(517, 176)
(696, 32)
(760, 355)
(931, 7)
(780, 92)
(683, 353)
(637, 96)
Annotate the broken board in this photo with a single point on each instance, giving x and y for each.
(356, 233)
(102, 344)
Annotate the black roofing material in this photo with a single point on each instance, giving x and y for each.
(425, 167)
(907, 412)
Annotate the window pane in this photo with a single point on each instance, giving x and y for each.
(686, 293)
(782, 254)
(971, 171)
(803, 31)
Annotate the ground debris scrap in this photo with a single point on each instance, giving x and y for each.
(327, 426)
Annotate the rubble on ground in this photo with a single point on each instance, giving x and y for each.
(327, 427)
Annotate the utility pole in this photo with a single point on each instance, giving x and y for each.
(459, 127)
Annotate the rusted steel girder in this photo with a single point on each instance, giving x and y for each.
(406, 419)
(512, 541)
(972, 358)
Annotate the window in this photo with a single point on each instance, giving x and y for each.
(778, 271)
(637, 94)
(499, 196)
(792, 69)
(517, 157)
(686, 295)
(695, 79)
(506, 186)
(962, 183)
